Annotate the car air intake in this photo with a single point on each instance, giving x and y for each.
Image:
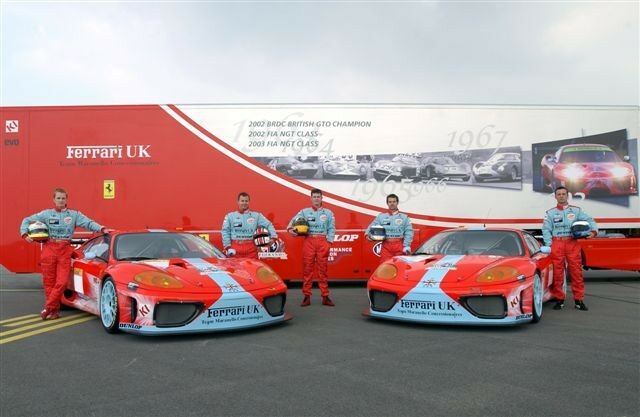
(175, 314)
(275, 304)
(382, 301)
(486, 307)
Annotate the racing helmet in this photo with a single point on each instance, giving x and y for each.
(301, 226)
(261, 237)
(377, 233)
(38, 231)
(580, 229)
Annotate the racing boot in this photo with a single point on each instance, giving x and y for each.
(326, 301)
(53, 315)
(44, 314)
(559, 305)
(306, 301)
(581, 306)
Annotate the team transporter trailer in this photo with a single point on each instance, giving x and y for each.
(180, 167)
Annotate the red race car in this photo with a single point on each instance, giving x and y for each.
(156, 283)
(465, 276)
(592, 169)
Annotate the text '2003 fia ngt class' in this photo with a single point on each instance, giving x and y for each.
(465, 276)
(156, 283)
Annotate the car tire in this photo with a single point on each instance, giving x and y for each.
(465, 179)
(536, 299)
(478, 179)
(109, 308)
(429, 173)
(514, 174)
(378, 176)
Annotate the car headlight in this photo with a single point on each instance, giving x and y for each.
(620, 172)
(267, 275)
(386, 271)
(157, 279)
(573, 172)
(498, 273)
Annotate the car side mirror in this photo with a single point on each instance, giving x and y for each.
(76, 254)
(626, 158)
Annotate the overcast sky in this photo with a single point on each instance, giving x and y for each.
(58, 53)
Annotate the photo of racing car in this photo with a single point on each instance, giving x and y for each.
(443, 167)
(294, 167)
(158, 283)
(500, 166)
(494, 276)
(592, 169)
(344, 167)
(400, 167)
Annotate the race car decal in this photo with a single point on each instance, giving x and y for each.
(235, 309)
(428, 302)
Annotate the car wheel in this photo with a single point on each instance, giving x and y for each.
(378, 176)
(109, 311)
(514, 174)
(478, 179)
(536, 299)
(429, 173)
(465, 179)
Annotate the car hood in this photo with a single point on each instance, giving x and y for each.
(457, 268)
(197, 275)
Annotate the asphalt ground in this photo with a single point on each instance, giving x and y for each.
(328, 362)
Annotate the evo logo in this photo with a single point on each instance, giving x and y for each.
(108, 151)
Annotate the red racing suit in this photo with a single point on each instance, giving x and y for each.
(390, 248)
(55, 258)
(315, 252)
(315, 249)
(567, 248)
(244, 249)
(556, 231)
(55, 261)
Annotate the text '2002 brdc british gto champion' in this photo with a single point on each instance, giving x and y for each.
(465, 276)
(156, 282)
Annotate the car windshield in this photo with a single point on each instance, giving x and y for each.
(573, 155)
(473, 242)
(139, 246)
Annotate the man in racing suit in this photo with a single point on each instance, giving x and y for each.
(556, 232)
(315, 249)
(55, 259)
(238, 228)
(398, 230)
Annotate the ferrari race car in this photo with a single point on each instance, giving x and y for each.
(294, 167)
(399, 168)
(592, 169)
(346, 168)
(156, 283)
(465, 276)
(501, 166)
(445, 168)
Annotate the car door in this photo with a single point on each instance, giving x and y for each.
(542, 260)
(88, 266)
